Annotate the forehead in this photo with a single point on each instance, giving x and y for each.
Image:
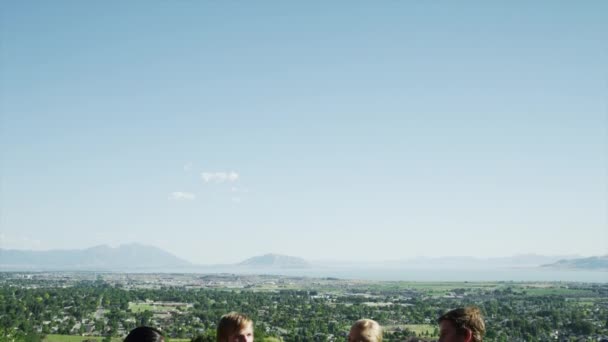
(246, 327)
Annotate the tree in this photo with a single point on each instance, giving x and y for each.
(205, 338)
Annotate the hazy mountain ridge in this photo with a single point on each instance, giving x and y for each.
(461, 262)
(131, 256)
(138, 257)
(275, 261)
(590, 263)
(522, 260)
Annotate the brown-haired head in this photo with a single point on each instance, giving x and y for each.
(467, 322)
(365, 330)
(233, 327)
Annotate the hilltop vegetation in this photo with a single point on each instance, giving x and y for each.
(186, 306)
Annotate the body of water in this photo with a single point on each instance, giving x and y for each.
(452, 275)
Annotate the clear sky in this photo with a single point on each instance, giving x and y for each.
(355, 130)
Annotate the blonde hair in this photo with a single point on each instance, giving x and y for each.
(231, 323)
(365, 330)
(466, 318)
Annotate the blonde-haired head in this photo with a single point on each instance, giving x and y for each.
(230, 324)
(365, 330)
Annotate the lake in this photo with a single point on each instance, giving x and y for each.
(435, 274)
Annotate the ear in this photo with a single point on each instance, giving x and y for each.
(468, 335)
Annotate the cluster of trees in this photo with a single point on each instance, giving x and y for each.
(289, 314)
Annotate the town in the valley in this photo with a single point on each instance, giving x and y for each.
(92, 306)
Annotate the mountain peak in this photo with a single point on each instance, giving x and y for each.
(590, 263)
(273, 260)
(101, 257)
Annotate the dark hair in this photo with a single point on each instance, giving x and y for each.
(144, 334)
(466, 318)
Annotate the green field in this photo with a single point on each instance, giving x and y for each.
(416, 328)
(557, 291)
(441, 288)
(434, 289)
(586, 301)
(141, 307)
(72, 338)
(421, 328)
(271, 339)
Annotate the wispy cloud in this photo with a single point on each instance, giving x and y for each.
(188, 166)
(236, 200)
(182, 196)
(219, 177)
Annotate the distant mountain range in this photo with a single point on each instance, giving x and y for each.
(275, 261)
(131, 257)
(454, 262)
(138, 258)
(124, 257)
(517, 261)
(591, 263)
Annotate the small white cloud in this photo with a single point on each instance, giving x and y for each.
(233, 176)
(188, 166)
(207, 176)
(219, 177)
(179, 195)
(236, 200)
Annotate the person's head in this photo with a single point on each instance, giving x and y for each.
(144, 334)
(461, 325)
(235, 327)
(365, 330)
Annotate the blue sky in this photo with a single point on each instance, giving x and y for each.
(343, 130)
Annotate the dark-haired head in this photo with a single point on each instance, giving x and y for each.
(144, 334)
